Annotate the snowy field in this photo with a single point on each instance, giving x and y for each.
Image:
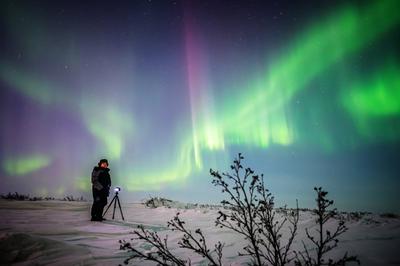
(60, 233)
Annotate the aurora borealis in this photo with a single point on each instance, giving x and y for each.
(310, 94)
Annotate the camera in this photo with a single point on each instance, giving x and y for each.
(117, 189)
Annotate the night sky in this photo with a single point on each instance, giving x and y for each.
(308, 92)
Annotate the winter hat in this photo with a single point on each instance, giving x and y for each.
(102, 161)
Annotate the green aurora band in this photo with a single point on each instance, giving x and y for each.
(375, 102)
(262, 106)
(376, 97)
(24, 165)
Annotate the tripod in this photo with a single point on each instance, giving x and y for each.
(115, 200)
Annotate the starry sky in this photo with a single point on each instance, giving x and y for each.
(308, 92)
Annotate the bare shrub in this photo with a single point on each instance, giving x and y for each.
(249, 210)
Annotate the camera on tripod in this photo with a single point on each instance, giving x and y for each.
(116, 201)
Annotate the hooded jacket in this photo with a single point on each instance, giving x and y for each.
(101, 179)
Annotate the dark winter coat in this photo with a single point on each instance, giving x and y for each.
(101, 180)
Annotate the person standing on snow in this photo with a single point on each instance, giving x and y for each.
(101, 183)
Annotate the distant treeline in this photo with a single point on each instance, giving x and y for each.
(18, 196)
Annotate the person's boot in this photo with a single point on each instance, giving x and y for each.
(96, 219)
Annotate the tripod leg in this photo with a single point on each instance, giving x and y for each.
(115, 205)
(108, 206)
(120, 209)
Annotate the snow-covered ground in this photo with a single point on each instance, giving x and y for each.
(60, 233)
